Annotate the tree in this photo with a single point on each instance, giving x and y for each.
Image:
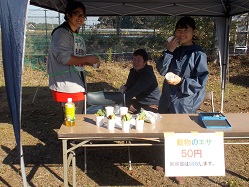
(127, 22)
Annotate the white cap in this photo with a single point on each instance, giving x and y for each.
(69, 99)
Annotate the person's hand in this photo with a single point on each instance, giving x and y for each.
(96, 65)
(174, 81)
(92, 59)
(172, 44)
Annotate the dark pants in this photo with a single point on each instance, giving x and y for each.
(135, 107)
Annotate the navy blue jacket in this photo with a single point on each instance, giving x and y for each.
(189, 63)
(143, 85)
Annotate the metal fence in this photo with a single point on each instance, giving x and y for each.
(112, 44)
(104, 42)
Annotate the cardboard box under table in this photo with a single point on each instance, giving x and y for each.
(86, 131)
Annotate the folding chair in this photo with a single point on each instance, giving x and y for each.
(104, 98)
(209, 97)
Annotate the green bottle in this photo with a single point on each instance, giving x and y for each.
(69, 113)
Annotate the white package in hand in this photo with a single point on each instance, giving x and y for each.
(170, 38)
(170, 76)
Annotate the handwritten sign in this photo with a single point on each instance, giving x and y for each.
(194, 154)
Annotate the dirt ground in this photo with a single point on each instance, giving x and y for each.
(106, 167)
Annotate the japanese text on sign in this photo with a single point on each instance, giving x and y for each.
(202, 151)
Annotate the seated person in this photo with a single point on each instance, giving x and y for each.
(141, 88)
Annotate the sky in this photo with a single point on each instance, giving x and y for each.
(34, 11)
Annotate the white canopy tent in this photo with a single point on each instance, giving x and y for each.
(13, 20)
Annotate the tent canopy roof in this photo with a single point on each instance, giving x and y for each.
(214, 8)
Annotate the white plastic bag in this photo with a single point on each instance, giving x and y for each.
(151, 117)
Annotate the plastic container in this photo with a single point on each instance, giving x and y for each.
(69, 113)
(170, 76)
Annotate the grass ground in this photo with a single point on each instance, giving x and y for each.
(107, 167)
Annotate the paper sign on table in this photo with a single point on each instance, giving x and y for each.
(194, 154)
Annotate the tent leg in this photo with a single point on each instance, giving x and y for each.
(222, 100)
(23, 168)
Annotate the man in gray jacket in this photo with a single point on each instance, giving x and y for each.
(67, 58)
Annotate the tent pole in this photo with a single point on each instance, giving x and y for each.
(23, 167)
(225, 61)
(223, 27)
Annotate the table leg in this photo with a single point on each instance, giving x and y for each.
(64, 148)
(85, 159)
(74, 169)
(129, 156)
